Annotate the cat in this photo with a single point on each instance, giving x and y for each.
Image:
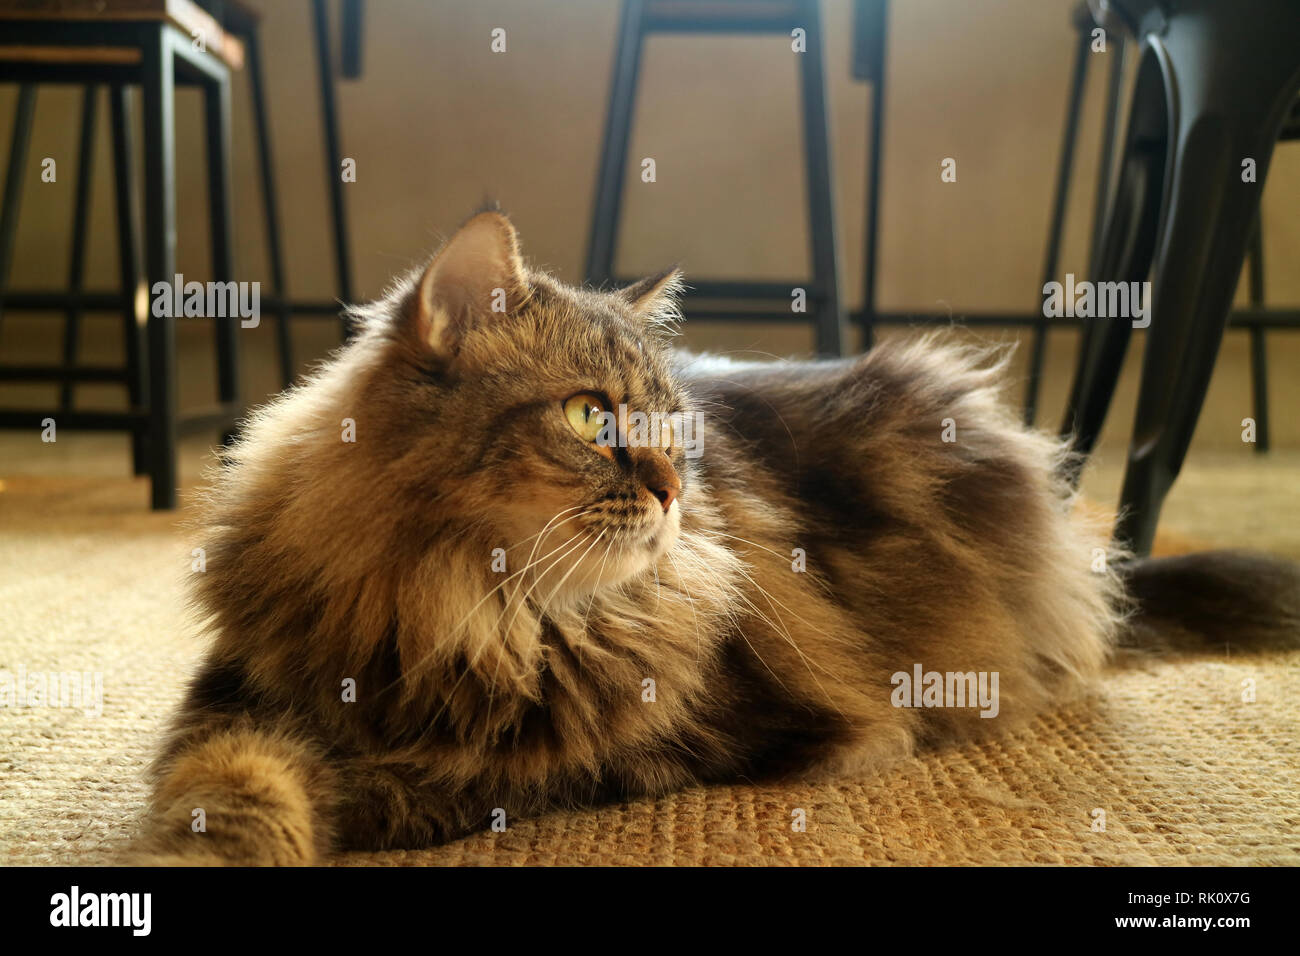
(438, 595)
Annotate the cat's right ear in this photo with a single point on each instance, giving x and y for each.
(475, 276)
(654, 295)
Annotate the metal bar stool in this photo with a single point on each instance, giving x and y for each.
(150, 43)
(641, 18)
(1215, 86)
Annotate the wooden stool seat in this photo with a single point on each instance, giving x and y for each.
(185, 15)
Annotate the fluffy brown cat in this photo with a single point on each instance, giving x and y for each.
(436, 598)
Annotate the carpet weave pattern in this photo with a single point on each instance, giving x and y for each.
(1184, 769)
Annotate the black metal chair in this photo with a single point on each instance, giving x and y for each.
(641, 18)
(1215, 84)
(1257, 319)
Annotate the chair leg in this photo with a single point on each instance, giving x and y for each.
(19, 143)
(830, 332)
(613, 152)
(1110, 136)
(1258, 345)
(226, 328)
(1125, 251)
(158, 92)
(333, 156)
(352, 18)
(872, 24)
(1064, 168)
(128, 258)
(80, 219)
(1227, 114)
(262, 126)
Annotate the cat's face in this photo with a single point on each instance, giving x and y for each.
(552, 421)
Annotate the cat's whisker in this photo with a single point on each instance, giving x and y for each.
(784, 630)
(785, 633)
(505, 632)
(469, 666)
(790, 610)
(521, 601)
(541, 535)
(723, 534)
(784, 558)
(576, 564)
(408, 672)
(681, 581)
(780, 359)
(741, 632)
(569, 547)
(510, 577)
(538, 534)
(533, 563)
(761, 661)
(595, 593)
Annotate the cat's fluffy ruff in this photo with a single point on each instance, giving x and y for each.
(371, 561)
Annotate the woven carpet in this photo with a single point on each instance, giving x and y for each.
(1184, 770)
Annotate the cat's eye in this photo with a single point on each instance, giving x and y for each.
(583, 412)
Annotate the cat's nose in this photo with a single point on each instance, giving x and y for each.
(667, 494)
(660, 477)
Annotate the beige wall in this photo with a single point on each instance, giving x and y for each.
(437, 122)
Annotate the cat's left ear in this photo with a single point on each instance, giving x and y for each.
(654, 296)
(475, 275)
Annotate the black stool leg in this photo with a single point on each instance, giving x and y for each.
(128, 259)
(1064, 169)
(1110, 135)
(1124, 254)
(821, 207)
(18, 147)
(1258, 346)
(1227, 104)
(333, 156)
(871, 26)
(80, 219)
(262, 127)
(216, 94)
(613, 152)
(352, 18)
(1111, 355)
(159, 100)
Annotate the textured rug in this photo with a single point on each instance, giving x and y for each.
(1166, 764)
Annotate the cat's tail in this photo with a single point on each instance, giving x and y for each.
(237, 796)
(1212, 600)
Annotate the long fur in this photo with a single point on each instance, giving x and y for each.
(616, 669)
